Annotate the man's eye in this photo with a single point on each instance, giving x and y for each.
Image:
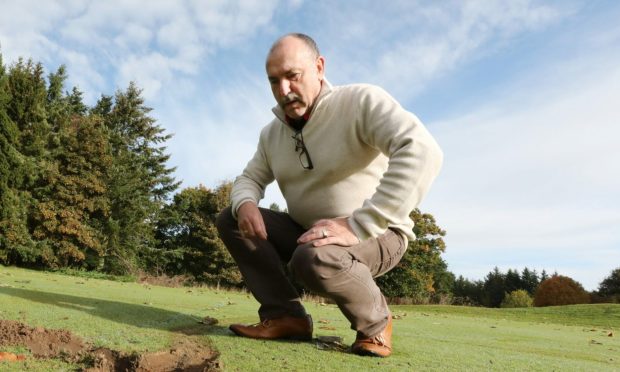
(294, 77)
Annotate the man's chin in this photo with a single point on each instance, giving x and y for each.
(295, 113)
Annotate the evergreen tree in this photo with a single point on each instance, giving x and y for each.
(27, 132)
(512, 281)
(494, 288)
(466, 292)
(529, 279)
(15, 242)
(139, 181)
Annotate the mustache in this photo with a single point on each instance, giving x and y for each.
(291, 97)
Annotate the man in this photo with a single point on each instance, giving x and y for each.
(352, 164)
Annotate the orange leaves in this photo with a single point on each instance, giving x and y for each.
(10, 357)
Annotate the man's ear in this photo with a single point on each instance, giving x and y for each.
(320, 67)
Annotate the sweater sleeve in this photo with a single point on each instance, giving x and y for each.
(251, 184)
(414, 161)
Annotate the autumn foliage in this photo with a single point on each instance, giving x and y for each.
(560, 290)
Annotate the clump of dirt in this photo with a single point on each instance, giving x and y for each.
(43, 343)
(187, 354)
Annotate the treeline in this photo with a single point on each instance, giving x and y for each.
(89, 188)
(80, 186)
(528, 288)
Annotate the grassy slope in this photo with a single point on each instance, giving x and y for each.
(134, 317)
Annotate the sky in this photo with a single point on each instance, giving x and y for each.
(522, 96)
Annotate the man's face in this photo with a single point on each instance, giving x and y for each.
(295, 76)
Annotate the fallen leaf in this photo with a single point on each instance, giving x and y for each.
(330, 343)
(610, 334)
(207, 320)
(328, 328)
(324, 321)
(10, 357)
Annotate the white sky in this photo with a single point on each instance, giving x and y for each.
(521, 95)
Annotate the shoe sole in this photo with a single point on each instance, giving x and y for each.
(365, 352)
(306, 337)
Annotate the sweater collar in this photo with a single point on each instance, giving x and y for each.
(326, 88)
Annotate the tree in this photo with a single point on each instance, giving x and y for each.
(467, 292)
(609, 288)
(560, 290)
(15, 242)
(421, 271)
(139, 181)
(518, 298)
(70, 221)
(189, 238)
(529, 280)
(494, 288)
(512, 281)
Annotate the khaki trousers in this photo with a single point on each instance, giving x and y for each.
(342, 274)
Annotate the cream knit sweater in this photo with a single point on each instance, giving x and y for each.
(373, 162)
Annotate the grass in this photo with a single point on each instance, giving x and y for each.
(133, 317)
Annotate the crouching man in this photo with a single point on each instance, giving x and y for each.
(351, 164)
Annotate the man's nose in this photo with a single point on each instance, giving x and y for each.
(285, 87)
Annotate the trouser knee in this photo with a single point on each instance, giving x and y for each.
(316, 268)
(225, 221)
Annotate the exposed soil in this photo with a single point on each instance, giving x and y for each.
(187, 354)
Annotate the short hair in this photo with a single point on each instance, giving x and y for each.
(310, 43)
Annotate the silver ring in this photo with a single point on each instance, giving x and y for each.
(324, 232)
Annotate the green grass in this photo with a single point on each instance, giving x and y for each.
(134, 317)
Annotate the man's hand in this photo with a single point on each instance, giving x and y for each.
(335, 231)
(250, 221)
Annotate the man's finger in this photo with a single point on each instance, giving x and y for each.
(260, 229)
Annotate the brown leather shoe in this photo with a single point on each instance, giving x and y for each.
(379, 345)
(271, 329)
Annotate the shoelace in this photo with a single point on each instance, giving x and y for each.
(264, 323)
(379, 340)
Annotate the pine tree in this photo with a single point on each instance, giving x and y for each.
(15, 242)
(139, 181)
(494, 288)
(530, 281)
(512, 281)
(24, 116)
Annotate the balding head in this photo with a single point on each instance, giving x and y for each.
(308, 42)
(295, 71)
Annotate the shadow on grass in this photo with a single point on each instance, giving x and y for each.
(143, 316)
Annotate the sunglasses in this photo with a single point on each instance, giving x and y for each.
(304, 155)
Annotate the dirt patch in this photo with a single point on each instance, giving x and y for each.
(187, 354)
(43, 343)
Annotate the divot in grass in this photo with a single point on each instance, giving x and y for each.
(187, 354)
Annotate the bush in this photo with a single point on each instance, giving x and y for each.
(560, 290)
(518, 298)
